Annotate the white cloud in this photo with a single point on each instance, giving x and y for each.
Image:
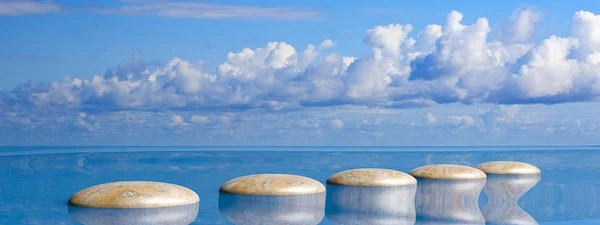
(453, 63)
(327, 44)
(309, 124)
(200, 119)
(210, 10)
(586, 28)
(430, 119)
(500, 115)
(176, 122)
(461, 121)
(522, 24)
(27, 7)
(548, 71)
(337, 124)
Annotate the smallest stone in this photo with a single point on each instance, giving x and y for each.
(508, 167)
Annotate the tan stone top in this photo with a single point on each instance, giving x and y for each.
(371, 177)
(447, 172)
(134, 194)
(272, 184)
(508, 167)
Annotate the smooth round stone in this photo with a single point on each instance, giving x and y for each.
(134, 194)
(272, 184)
(371, 177)
(508, 167)
(447, 172)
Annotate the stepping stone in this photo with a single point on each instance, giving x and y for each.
(508, 167)
(134, 194)
(272, 184)
(447, 172)
(371, 177)
(174, 215)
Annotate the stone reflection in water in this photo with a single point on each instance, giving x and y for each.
(503, 192)
(175, 215)
(371, 205)
(449, 201)
(274, 210)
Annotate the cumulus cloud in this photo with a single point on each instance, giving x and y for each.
(176, 122)
(27, 7)
(337, 124)
(440, 64)
(429, 119)
(309, 124)
(500, 115)
(210, 10)
(522, 25)
(461, 121)
(200, 119)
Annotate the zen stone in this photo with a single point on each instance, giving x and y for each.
(447, 172)
(134, 194)
(272, 184)
(508, 167)
(371, 177)
(174, 215)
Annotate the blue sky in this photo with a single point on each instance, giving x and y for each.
(166, 72)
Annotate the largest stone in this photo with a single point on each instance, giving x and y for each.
(134, 194)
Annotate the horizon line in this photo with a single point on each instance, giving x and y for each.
(300, 146)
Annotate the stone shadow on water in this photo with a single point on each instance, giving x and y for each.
(274, 210)
(174, 215)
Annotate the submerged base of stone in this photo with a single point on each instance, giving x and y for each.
(343, 217)
(274, 210)
(451, 201)
(503, 192)
(394, 201)
(174, 215)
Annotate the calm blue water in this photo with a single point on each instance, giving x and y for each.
(36, 182)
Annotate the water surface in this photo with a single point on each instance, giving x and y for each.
(36, 182)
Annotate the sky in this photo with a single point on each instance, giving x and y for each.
(379, 73)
